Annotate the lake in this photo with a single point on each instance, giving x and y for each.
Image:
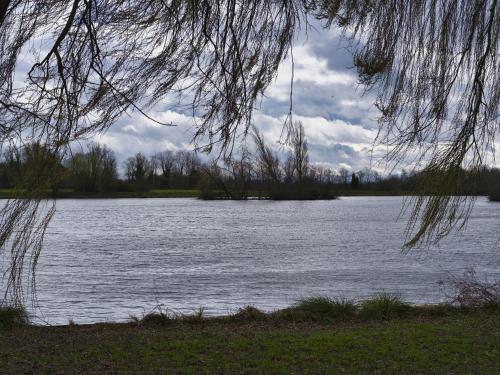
(106, 259)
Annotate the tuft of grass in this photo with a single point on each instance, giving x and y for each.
(384, 306)
(12, 317)
(197, 317)
(154, 318)
(250, 313)
(324, 307)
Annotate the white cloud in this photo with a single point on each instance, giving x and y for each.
(339, 118)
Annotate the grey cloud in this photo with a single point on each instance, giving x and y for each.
(339, 121)
(335, 50)
(335, 155)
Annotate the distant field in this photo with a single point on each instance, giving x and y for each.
(455, 344)
(165, 193)
(5, 193)
(371, 193)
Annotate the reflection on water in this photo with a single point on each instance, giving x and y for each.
(107, 259)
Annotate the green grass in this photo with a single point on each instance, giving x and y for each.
(320, 308)
(157, 193)
(371, 193)
(385, 306)
(459, 343)
(12, 317)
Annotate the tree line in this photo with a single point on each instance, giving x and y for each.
(255, 170)
(96, 170)
(264, 173)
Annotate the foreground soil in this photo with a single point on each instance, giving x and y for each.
(462, 343)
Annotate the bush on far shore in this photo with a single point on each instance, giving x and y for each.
(495, 196)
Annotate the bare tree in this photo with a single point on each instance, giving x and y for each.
(137, 168)
(94, 170)
(181, 162)
(166, 162)
(241, 172)
(267, 160)
(129, 167)
(288, 169)
(191, 162)
(299, 155)
(344, 175)
(368, 176)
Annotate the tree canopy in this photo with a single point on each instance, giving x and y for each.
(434, 65)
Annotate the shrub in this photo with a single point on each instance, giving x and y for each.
(495, 194)
(384, 306)
(156, 317)
(326, 307)
(472, 293)
(12, 317)
(250, 313)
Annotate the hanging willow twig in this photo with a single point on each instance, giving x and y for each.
(435, 67)
(25, 217)
(105, 57)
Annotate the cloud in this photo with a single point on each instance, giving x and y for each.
(339, 118)
(331, 142)
(135, 133)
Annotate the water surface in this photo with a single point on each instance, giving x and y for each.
(106, 259)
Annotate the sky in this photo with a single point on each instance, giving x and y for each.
(338, 117)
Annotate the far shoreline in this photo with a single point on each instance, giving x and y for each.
(195, 193)
(189, 193)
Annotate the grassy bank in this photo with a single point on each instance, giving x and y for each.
(317, 336)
